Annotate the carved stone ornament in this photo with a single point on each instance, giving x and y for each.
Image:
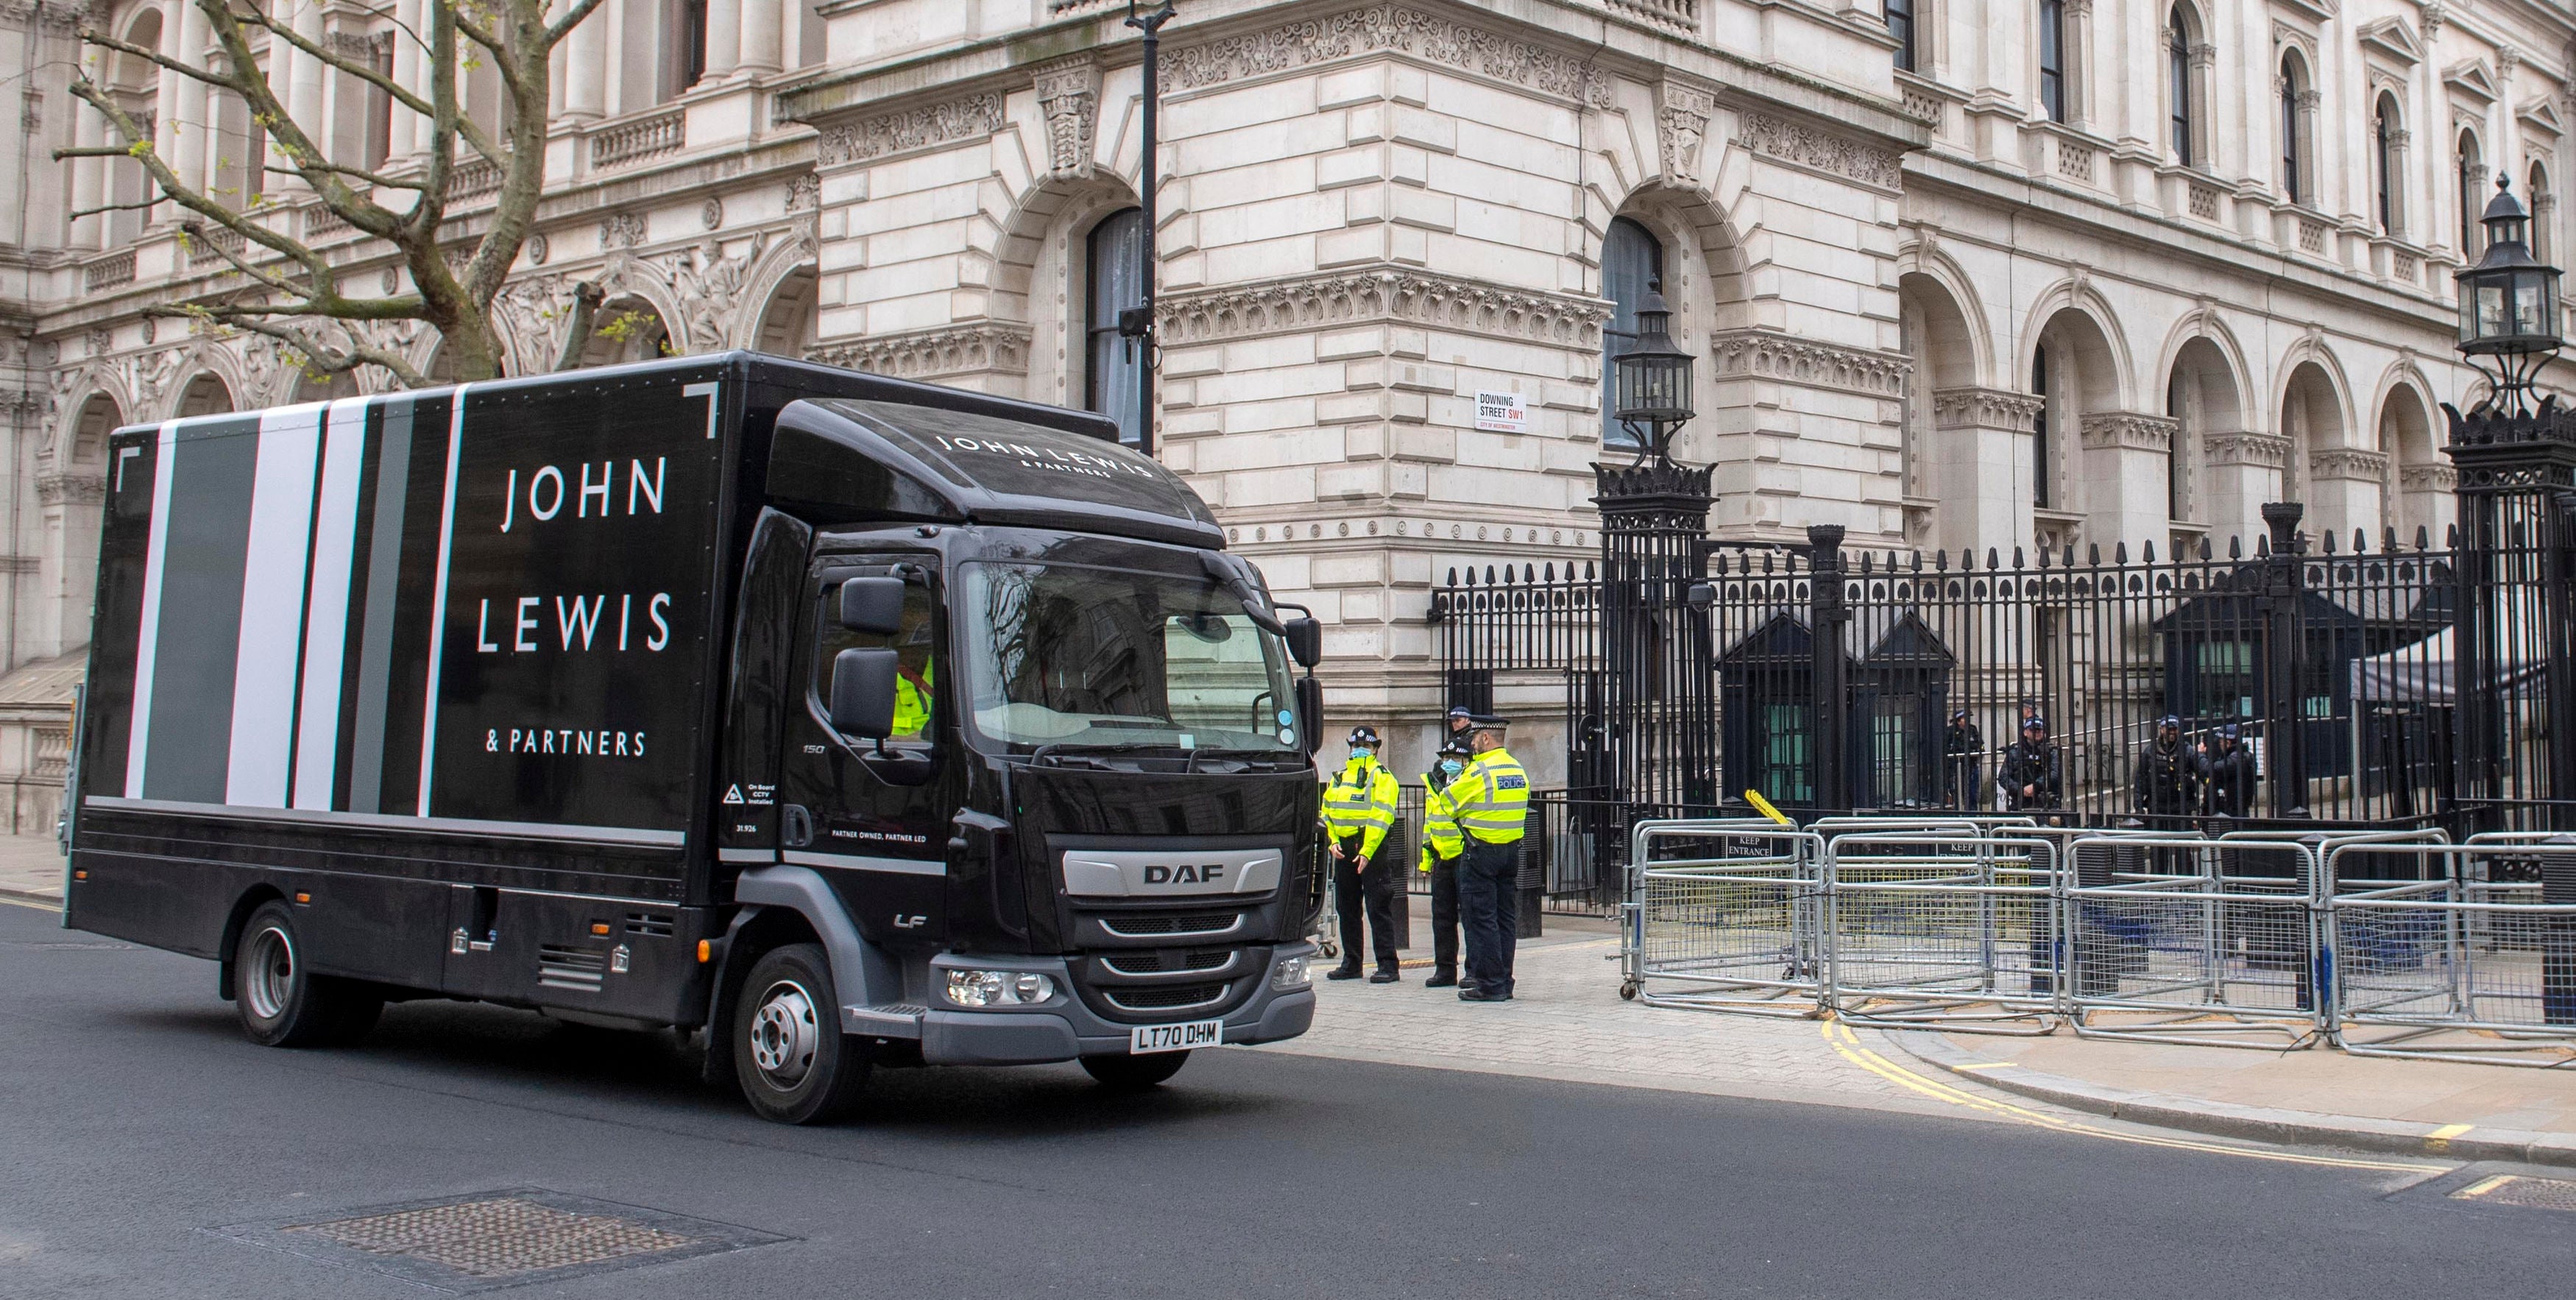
(709, 285)
(2428, 478)
(1682, 129)
(711, 213)
(2260, 450)
(147, 375)
(804, 192)
(1816, 365)
(621, 230)
(2349, 463)
(539, 249)
(76, 488)
(101, 341)
(1292, 46)
(1069, 96)
(907, 129)
(1845, 157)
(1984, 408)
(531, 313)
(2129, 430)
(1283, 306)
(942, 352)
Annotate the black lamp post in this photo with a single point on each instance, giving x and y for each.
(1652, 380)
(2509, 305)
(1136, 324)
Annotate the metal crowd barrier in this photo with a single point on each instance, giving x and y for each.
(2465, 962)
(1932, 929)
(2181, 939)
(1723, 915)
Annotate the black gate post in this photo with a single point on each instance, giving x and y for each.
(1659, 699)
(2285, 722)
(2517, 496)
(1827, 612)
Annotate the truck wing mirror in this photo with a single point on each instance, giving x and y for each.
(873, 605)
(1310, 712)
(863, 693)
(1305, 641)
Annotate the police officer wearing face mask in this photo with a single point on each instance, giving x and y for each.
(1359, 811)
(1442, 845)
(1491, 802)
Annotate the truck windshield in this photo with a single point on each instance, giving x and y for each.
(1070, 655)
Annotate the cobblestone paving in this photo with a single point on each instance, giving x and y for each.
(1566, 1022)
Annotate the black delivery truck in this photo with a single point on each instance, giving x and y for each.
(849, 721)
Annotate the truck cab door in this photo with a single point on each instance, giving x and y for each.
(872, 816)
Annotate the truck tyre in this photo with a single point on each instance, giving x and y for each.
(284, 1004)
(788, 1051)
(1134, 1073)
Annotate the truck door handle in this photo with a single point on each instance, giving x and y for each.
(796, 825)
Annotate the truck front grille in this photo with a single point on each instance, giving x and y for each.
(1168, 926)
(1167, 997)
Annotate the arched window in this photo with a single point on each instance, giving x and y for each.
(2473, 182)
(1113, 373)
(2178, 82)
(2293, 132)
(1900, 24)
(2544, 213)
(2039, 467)
(1631, 259)
(2385, 172)
(2052, 58)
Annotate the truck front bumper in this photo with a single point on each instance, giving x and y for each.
(1067, 1029)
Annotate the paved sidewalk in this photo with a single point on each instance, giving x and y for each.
(1566, 1022)
(2314, 1095)
(31, 866)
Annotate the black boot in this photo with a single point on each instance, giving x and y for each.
(1443, 978)
(1343, 973)
(1384, 975)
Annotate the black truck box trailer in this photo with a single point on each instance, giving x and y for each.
(848, 720)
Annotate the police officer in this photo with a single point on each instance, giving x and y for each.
(1963, 750)
(2028, 776)
(1490, 800)
(1442, 846)
(2227, 775)
(1359, 810)
(2167, 781)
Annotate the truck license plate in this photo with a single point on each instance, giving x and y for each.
(1144, 1039)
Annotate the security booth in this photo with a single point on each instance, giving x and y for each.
(1896, 672)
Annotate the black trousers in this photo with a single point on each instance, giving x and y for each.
(1373, 890)
(1444, 914)
(1489, 910)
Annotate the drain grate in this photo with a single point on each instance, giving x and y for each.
(509, 1237)
(499, 1237)
(2516, 1189)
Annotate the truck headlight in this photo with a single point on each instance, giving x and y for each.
(1289, 974)
(999, 988)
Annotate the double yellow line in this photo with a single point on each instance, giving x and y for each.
(1848, 1044)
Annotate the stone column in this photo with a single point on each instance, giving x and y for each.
(2126, 459)
(1981, 461)
(186, 125)
(89, 176)
(410, 129)
(300, 78)
(2343, 491)
(2243, 470)
(724, 39)
(762, 47)
(2079, 64)
(586, 68)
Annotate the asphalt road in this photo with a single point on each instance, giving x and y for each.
(134, 1121)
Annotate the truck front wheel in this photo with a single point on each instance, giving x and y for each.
(283, 1004)
(1134, 1073)
(788, 1051)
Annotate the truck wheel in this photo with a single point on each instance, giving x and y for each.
(281, 1003)
(1134, 1073)
(794, 1065)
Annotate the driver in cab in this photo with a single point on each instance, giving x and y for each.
(913, 674)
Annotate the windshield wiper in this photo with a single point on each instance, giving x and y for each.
(1075, 748)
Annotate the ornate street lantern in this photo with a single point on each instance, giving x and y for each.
(2509, 303)
(1652, 379)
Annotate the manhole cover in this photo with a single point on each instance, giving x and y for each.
(2515, 1189)
(502, 1238)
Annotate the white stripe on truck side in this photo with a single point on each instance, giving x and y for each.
(326, 606)
(138, 744)
(390, 821)
(438, 601)
(863, 862)
(272, 606)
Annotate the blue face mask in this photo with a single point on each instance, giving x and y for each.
(1362, 755)
(1451, 767)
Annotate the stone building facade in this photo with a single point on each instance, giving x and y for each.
(1958, 273)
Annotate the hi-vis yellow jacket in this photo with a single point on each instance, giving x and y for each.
(1361, 801)
(1440, 837)
(1491, 798)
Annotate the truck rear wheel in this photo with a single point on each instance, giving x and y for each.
(788, 1051)
(1134, 1073)
(280, 1001)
